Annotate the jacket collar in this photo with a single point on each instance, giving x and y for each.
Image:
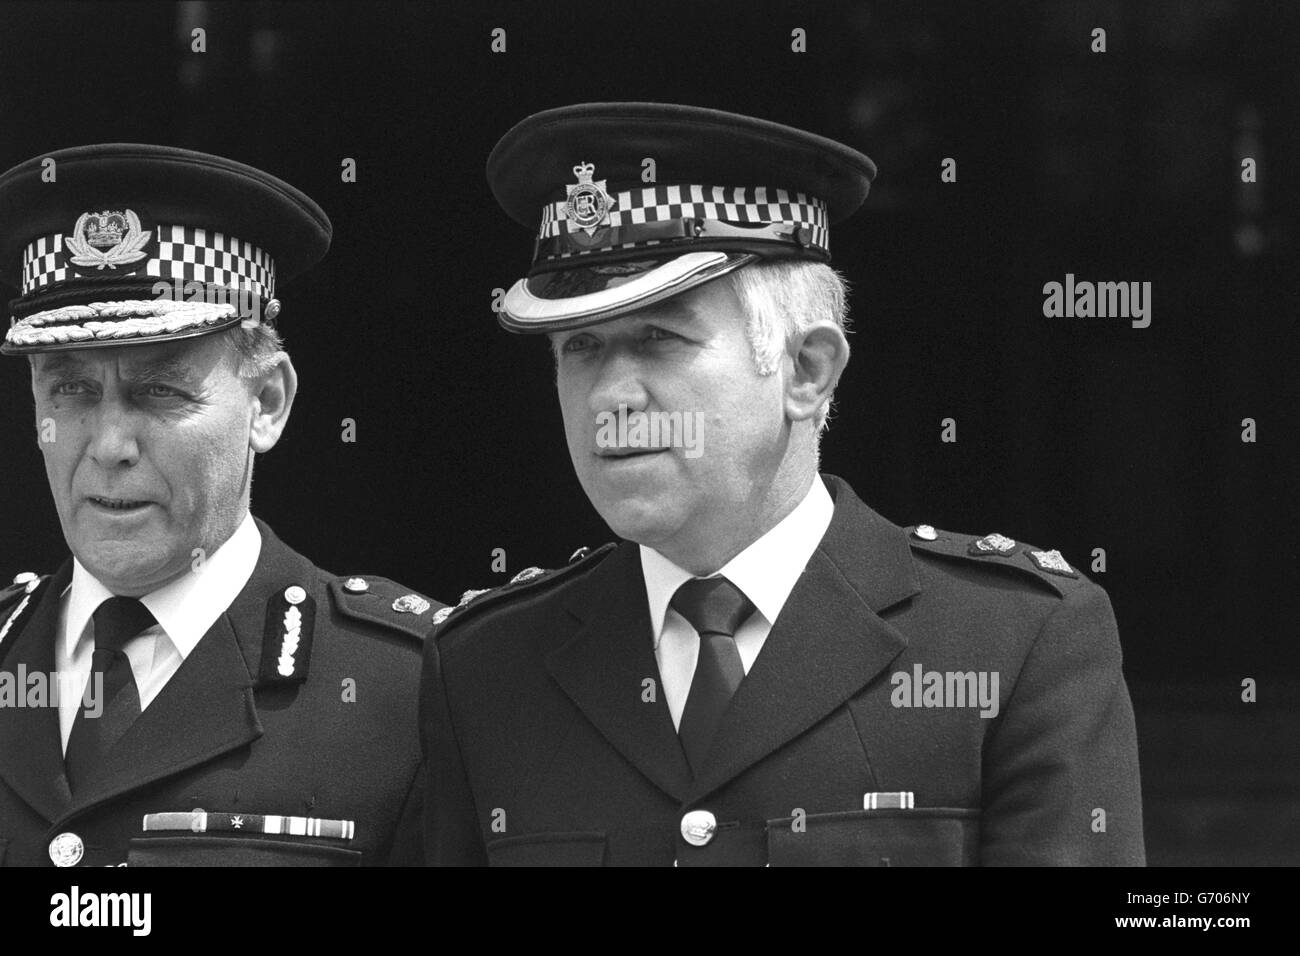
(207, 708)
(828, 642)
(31, 752)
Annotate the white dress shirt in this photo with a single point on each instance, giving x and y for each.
(184, 610)
(766, 572)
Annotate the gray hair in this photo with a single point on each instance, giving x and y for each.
(256, 346)
(782, 298)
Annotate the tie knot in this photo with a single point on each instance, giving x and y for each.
(118, 620)
(712, 605)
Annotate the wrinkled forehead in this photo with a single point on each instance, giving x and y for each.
(186, 359)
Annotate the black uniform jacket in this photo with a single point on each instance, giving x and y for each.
(549, 743)
(230, 735)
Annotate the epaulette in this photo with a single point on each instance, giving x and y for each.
(15, 598)
(529, 580)
(1047, 567)
(377, 600)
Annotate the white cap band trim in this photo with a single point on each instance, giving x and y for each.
(524, 311)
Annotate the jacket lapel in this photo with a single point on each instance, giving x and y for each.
(31, 751)
(603, 665)
(828, 642)
(207, 708)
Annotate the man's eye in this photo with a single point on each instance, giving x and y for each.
(660, 335)
(161, 391)
(577, 343)
(69, 388)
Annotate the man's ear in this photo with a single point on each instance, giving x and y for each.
(36, 409)
(819, 356)
(272, 398)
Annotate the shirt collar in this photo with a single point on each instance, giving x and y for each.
(766, 571)
(184, 608)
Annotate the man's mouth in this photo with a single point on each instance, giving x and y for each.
(117, 504)
(628, 452)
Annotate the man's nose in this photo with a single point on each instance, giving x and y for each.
(619, 382)
(115, 437)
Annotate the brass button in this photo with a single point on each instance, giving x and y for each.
(356, 585)
(698, 827)
(67, 849)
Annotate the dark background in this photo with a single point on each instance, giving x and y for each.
(1073, 433)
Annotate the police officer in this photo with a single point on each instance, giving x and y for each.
(186, 688)
(765, 670)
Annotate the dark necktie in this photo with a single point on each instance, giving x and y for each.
(715, 608)
(117, 620)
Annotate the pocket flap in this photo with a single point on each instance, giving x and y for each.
(235, 851)
(549, 849)
(931, 836)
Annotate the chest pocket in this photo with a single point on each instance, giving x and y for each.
(235, 851)
(932, 836)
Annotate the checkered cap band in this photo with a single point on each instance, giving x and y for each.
(745, 204)
(184, 253)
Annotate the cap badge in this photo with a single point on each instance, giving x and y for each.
(106, 240)
(589, 204)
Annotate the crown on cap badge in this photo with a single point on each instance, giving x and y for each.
(106, 240)
(589, 205)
